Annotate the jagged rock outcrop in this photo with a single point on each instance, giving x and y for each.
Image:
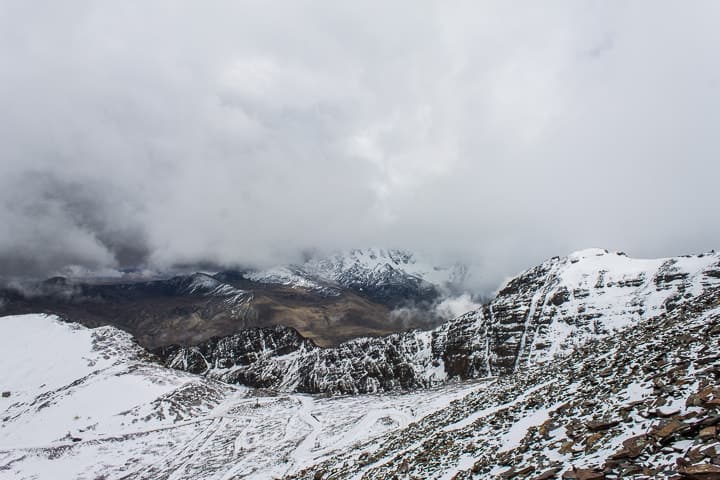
(280, 358)
(242, 358)
(545, 312)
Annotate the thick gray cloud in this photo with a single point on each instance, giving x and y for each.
(168, 132)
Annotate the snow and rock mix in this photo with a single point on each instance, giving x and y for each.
(543, 313)
(590, 366)
(81, 403)
(642, 403)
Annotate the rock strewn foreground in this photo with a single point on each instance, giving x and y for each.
(642, 404)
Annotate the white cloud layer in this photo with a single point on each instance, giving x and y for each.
(497, 133)
(453, 307)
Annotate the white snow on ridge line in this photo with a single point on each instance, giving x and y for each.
(205, 284)
(202, 281)
(316, 272)
(619, 291)
(284, 276)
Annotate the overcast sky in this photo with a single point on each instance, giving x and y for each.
(499, 133)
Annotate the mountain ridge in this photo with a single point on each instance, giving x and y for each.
(631, 389)
(546, 311)
(359, 294)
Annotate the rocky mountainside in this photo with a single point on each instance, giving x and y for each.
(642, 403)
(639, 400)
(545, 312)
(328, 299)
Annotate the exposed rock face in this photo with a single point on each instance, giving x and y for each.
(542, 313)
(250, 347)
(280, 358)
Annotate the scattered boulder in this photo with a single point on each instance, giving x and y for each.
(708, 433)
(708, 397)
(599, 425)
(547, 474)
(583, 474)
(632, 447)
(704, 471)
(668, 428)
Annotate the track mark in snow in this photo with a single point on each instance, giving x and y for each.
(241, 442)
(303, 451)
(200, 439)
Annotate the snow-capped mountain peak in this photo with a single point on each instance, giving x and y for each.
(388, 275)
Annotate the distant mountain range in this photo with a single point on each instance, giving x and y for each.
(327, 299)
(545, 312)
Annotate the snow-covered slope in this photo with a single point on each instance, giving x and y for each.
(631, 392)
(541, 314)
(82, 403)
(72, 393)
(641, 403)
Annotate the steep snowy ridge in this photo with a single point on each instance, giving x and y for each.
(641, 403)
(375, 266)
(293, 277)
(560, 304)
(545, 312)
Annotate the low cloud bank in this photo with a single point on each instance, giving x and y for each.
(141, 135)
